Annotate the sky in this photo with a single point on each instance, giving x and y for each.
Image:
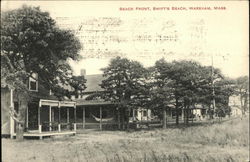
(175, 32)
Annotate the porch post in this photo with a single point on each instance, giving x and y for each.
(27, 117)
(59, 117)
(68, 125)
(50, 124)
(68, 115)
(100, 118)
(39, 120)
(83, 117)
(12, 122)
(74, 117)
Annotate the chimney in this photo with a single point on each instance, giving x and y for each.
(83, 72)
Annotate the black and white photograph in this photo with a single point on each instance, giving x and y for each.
(124, 81)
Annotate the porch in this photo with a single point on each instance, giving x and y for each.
(96, 115)
(41, 135)
(50, 118)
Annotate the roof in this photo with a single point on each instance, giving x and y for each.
(198, 106)
(93, 83)
(82, 102)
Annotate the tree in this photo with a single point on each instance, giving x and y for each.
(161, 90)
(242, 89)
(78, 83)
(223, 90)
(124, 84)
(33, 44)
(186, 83)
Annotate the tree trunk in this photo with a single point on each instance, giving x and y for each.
(177, 111)
(241, 105)
(164, 126)
(119, 117)
(128, 119)
(177, 116)
(123, 118)
(187, 115)
(19, 131)
(210, 113)
(22, 107)
(184, 116)
(245, 104)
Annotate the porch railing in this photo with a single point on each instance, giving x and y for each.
(54, 126)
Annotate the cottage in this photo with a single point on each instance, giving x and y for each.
(95, 112)
(47, 116)
(235, 105)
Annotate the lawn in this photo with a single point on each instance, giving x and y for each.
(220, 142)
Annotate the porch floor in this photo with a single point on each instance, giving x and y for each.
(47, 134)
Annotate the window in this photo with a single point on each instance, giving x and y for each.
(33, 82)
(144, 113)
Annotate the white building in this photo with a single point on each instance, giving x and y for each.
(234, 103)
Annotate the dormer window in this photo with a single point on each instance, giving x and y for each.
(33, 82)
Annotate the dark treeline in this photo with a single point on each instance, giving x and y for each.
(178, 84)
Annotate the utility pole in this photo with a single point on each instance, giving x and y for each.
(213, 92)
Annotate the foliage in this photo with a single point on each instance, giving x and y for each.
(161, 88)
(125, 84)
(223, 89)
(181, 84)
(78, 83)
(32, 43)
(241, 88)
(124, 80)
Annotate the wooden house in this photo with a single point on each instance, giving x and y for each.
(45, 114)
(93, 111)
(235, 105)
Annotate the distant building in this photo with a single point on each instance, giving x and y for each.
(235, 105)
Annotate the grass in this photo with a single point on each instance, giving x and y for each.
(221, 142)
